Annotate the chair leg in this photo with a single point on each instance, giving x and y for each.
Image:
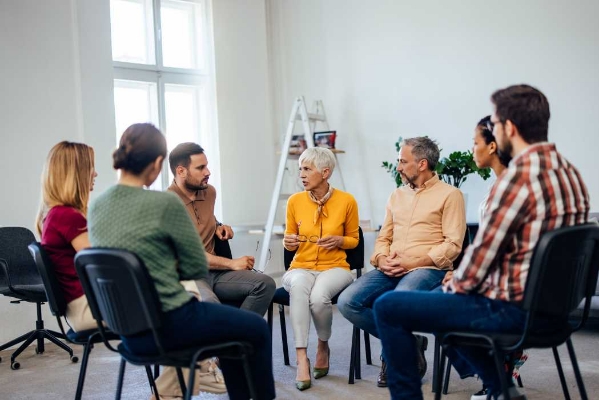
(499, 359)
(182, 381)
(438, 376)
(17, 340)
(357, 354)
(87, 349)
(352, 358)
(151, 381)
(367, 348)
(25, 344)
(156, 371)
(58, 342)
(446, 376)
(284, 334)
(269, 316)
(437, 350)
(560, 372)
(579, 382)
(119, 385)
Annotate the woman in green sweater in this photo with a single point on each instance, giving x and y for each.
(156, 227)
(322, 222)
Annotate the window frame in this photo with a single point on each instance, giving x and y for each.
(201, 78)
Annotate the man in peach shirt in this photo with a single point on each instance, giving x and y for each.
(420, 238)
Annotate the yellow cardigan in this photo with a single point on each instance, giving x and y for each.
(342, 220)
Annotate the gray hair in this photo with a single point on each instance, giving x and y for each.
(424, 148)
(320, 157)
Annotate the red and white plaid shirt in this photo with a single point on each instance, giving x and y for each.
(538, 192)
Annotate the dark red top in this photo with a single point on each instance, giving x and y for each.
(61, 226)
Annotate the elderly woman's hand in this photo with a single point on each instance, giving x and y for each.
(291, 241)
(330, 242)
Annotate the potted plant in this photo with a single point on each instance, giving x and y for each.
(456, 168)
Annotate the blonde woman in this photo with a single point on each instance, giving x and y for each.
(322, 222)
(67, 180)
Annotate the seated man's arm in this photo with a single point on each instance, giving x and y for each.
(235, 264)
(453, 225)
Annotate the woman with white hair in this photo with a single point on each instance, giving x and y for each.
(322, 222)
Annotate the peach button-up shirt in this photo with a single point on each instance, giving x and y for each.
(425, 221)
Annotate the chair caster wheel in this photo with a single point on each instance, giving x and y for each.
(15, 365)
(74, 359)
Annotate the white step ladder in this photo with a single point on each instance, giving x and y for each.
(309, 121)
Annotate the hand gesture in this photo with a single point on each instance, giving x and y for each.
(242, 263)
(224, 232)
(291, 241)
(330, 242)
(448, 277)
(390, 265)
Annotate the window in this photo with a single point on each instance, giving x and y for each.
(162, 55)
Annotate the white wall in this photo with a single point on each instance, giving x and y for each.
(428, 67)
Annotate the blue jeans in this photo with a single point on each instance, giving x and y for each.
(399, 314)
(356, 301)
(198, 323)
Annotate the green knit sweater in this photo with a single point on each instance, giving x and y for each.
(156, 227)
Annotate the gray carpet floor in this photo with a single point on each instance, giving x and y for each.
(52, 376)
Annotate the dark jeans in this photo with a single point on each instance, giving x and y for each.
(398, 314)
(197, 323)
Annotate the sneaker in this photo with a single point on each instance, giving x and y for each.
(211, 378)
(481, 394)
(519, 362)
(381, 380)
(422, 342)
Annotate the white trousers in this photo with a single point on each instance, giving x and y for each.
(310, 293)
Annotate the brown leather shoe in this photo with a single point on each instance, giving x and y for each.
(381, 380)
(422, 342)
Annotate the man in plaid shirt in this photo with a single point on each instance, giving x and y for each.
(540, 191)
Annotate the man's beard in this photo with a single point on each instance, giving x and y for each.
(504, 151)
(409, 180)
(193, 187)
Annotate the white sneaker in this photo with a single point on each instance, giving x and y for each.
(480, 395)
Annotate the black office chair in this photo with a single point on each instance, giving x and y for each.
(563, 272)
(355, 259)
(121, 293)
(58, 306)
(19, 279)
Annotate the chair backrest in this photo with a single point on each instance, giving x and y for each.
(222, 248)
(13, 250)
(355, 256)
(465, 243)
(54, 293)
(119, 290)
(563, 272)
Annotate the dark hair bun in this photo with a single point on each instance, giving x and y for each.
(140, 145)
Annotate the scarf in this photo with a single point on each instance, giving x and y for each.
(320, 210)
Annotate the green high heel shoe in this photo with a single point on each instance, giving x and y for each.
(303, 385)
(320, 372)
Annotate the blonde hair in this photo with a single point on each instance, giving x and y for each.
(66, 179)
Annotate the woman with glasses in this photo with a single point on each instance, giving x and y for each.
(322, 222)
(155, 226)
(67, 180)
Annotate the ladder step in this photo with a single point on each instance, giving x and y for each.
(312, 117)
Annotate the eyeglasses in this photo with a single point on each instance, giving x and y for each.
(311, 239)
(269, 256)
